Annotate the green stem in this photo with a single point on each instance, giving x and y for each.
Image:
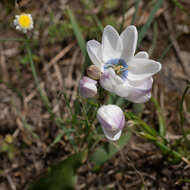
(14, 39)
(34, 73)
(182, 119)
(181, 106)
(173, 152)
(136, 10)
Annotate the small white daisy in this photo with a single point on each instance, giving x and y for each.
(23, 22)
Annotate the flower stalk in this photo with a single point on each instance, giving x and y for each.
(35, 76)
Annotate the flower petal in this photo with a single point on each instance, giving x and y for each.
(129, 40)
(105, 81)
(142, 54)
(94, 49)
(112, 120)
(111, 44)
(109, 80)
(87, 87)
(87, 80)
(111, 117)
(112, 135)
(137, 92)
(140, 69)
(88, 90)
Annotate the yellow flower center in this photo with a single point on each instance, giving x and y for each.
(118, 69)
(24, 21)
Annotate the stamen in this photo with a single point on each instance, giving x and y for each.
(119, 66)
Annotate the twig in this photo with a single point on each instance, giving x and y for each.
(13, 187)
(138, 172)
(58, 56)
(175, 43)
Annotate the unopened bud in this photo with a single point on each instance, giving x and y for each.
(94, 72)
(112, 120)
(87, 87)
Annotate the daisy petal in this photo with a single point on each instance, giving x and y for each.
(111, 44)
(129, 40)
(94, 51)
(112, 135)
(140, 69)
(142, 54)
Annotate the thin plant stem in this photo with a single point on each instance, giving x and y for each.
(15, 39)
(35, 76)
(182, 119)
(136, 11)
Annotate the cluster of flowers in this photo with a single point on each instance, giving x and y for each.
(116, 68)
(120, 71)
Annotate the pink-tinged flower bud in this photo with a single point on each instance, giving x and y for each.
(94, 72)
(87, 87)
(112, 120)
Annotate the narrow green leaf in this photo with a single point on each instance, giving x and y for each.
(57, 139)
(29, 128)
(169, 46)
(15, 39)
(155, 38)
(138, 122)
(77, 32)
(162, 123)
(180, 6)
(145, 28)
(181, 105)
(99, 24)
(43, 97)
(182, 118)
(136, 11)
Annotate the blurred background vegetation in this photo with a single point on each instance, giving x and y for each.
(47, 130)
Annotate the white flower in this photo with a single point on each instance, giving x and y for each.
(87, 87)
(112, 120)
(23, 22)
(125, 74)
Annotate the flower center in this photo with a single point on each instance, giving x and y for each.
(24, 21)
(119, 66)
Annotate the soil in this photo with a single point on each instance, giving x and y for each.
(140, 164)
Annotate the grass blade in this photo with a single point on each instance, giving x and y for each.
(43, 97)
(162, 124)
(181, 106)
(155, 38)
(145, 28)
(166, 49)
(77, 32)
(136, 10)
(15, 39)
(138, 122)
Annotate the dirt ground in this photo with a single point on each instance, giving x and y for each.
(58, 61)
